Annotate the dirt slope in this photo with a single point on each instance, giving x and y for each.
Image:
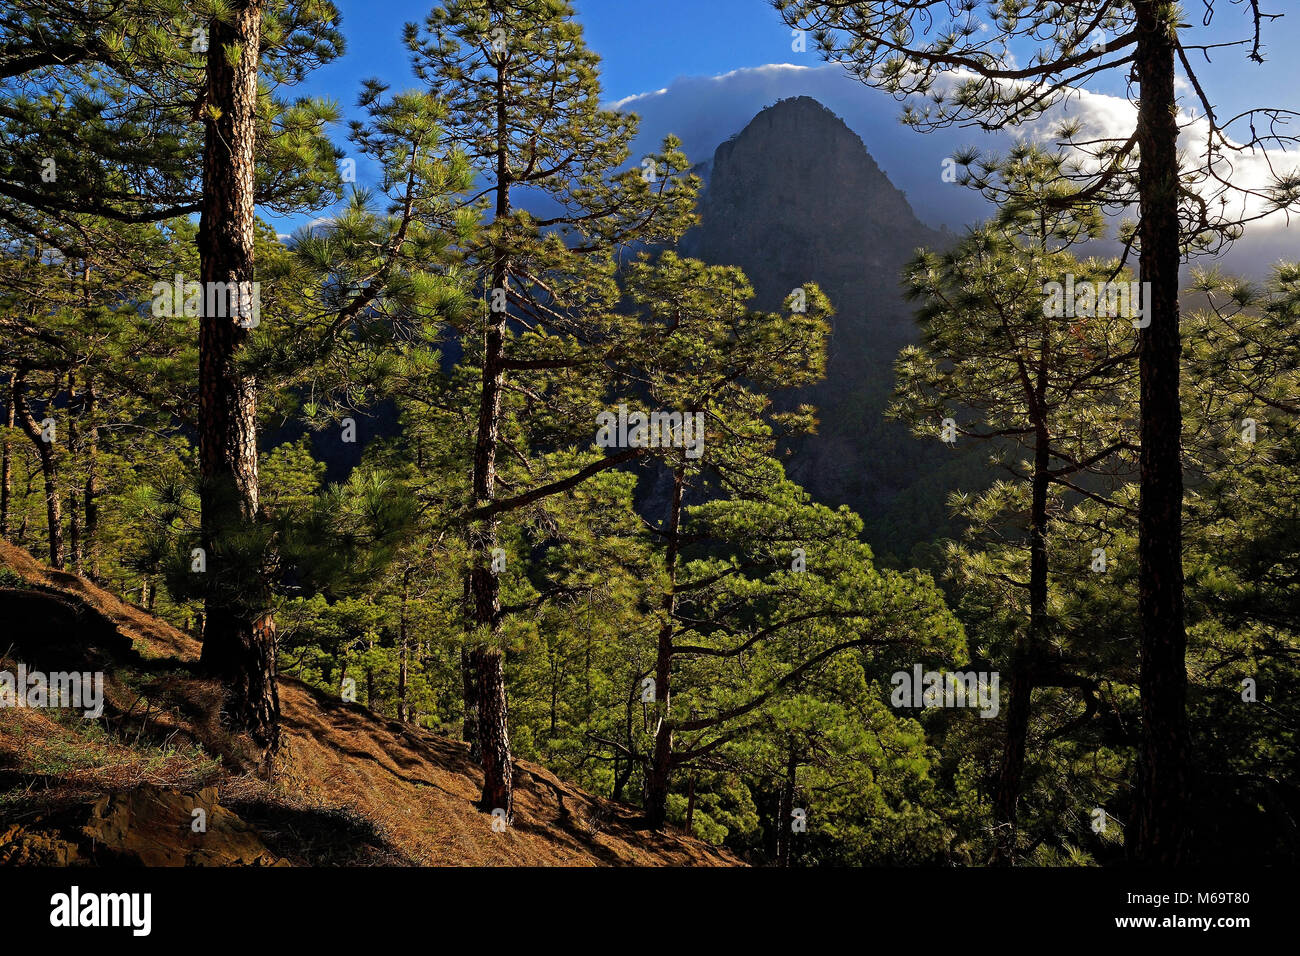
(350, 788)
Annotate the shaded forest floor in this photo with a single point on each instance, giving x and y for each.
(349, 788)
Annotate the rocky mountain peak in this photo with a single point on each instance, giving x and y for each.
(796, 197)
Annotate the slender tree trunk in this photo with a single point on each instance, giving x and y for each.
(239, 633)
(370, 676)
(785, 810)
(555, 692)
(49, 474)
(6, 460)
(659, 772)
(469, 687)
(53, 510)
(402, 659)
(90, 497)
(74, 451)
(623, 769)
(89, 449)
(74, 527)
(484, 586)
(1020, 692)
(1159, 835)
(622, 774)
(1024, 659)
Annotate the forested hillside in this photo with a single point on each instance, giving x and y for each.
(350, 787)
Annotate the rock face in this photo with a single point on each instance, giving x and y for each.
(798, 188)
(796, 197)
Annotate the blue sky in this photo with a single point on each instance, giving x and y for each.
(649, 45)
(646, 44)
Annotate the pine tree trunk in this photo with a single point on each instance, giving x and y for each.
(493, 730)
(90, 498)
(49, 474)
(402, 659)
(6, 462)
(239, 633)
(498, 774)
(370, 677)
(1021, 685)
(659, 772)
(74, 529)
(469, 686)
(89, 453)
(1158, 836)
(785, 811)
(622, 774)
(74, 504)
(484, 587)
(623, 768)
(53, 511)
(555, 693)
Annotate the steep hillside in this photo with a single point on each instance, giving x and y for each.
(349, 788)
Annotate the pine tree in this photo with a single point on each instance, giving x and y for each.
(760, 587)
(918, 48)
(523, 100)
(999, 363)
(238, 629)
(180, 70)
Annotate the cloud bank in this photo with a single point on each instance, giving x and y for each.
(705, 111)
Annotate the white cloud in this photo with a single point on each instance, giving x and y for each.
(704, 111)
